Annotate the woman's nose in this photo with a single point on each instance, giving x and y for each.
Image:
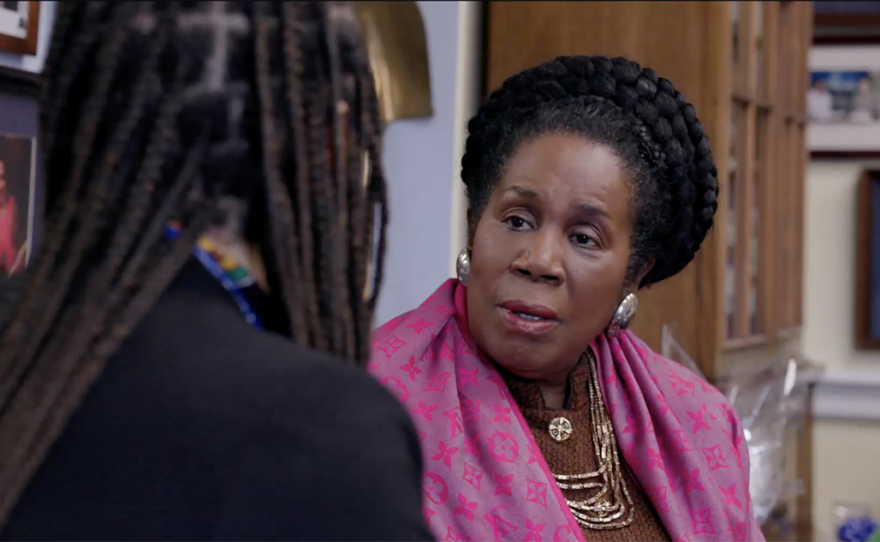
(541, 259)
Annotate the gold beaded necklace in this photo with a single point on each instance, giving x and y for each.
(610, 506)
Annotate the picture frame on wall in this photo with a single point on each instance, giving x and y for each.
(18, 155)
(19, 27)
(846, 14)
(868, 262)
(843, 101)
(21, 196)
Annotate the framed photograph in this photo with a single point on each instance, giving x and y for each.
(868, 263)
(21, 196)
(19, 26)
(17, 185)
(843, 14)
(843, 101)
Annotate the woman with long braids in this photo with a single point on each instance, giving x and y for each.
(542, 417)
(174, 364)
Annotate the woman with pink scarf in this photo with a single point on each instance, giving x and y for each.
(541, 417)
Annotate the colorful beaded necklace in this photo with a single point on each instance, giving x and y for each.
(233, 276)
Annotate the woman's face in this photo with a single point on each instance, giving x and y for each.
(549, 256)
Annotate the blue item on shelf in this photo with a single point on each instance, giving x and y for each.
(857, 529)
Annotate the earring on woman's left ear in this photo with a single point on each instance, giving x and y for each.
(623, 316)
(463, 265)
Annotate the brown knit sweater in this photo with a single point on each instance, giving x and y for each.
(576, 455)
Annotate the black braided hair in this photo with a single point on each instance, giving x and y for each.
(649, 126)
(152, 112)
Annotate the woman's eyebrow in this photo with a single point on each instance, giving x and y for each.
(593, 210)
(522, 191)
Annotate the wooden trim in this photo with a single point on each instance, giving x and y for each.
(864, 270)
(796, 284)
(799, 118)
(768, 193)
(804, 525)
(20, 82)
(790, 232)
(801, 128)
(745, 342)
(793, 157)
(745, 169)
(743, 83)
(711, 259)
(751, 99)
(783, 173)
(744, 203)
(28, 45)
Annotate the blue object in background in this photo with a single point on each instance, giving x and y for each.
(843, 82)
(857, 529)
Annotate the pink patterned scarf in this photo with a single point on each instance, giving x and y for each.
(485, 478)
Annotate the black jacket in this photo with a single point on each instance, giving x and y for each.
(204, 428)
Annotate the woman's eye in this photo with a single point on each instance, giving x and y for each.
(583, 239)
(516, 222)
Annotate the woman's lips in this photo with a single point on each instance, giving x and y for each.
(529, 320)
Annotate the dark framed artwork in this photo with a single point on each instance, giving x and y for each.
(846, 14)
(17, 187)
(20, 191)
(843, 101)
(19, 27)
(868, 262)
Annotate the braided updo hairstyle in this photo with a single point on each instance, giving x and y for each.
(640, 117)
(161, 111)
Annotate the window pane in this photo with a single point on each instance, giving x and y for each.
(730, 271)
(756, 294)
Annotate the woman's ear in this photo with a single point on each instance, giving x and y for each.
(633, 286)
(471, 227)
(644, 271)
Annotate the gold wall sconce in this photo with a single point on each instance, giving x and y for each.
(394, 33)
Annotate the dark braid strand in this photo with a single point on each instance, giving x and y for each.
(294, 71)
(642, 118)
(141, 125)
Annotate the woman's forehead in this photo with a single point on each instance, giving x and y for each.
(565, 168)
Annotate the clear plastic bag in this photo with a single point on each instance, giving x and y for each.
(766, 398)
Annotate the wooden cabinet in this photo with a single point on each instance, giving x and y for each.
(764, 200)
(744, 67)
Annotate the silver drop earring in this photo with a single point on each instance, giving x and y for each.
(624, 315)
(463, 265)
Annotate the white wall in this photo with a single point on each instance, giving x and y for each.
(847, 402)
(34, 63)
(422, 161)
(830, 266)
